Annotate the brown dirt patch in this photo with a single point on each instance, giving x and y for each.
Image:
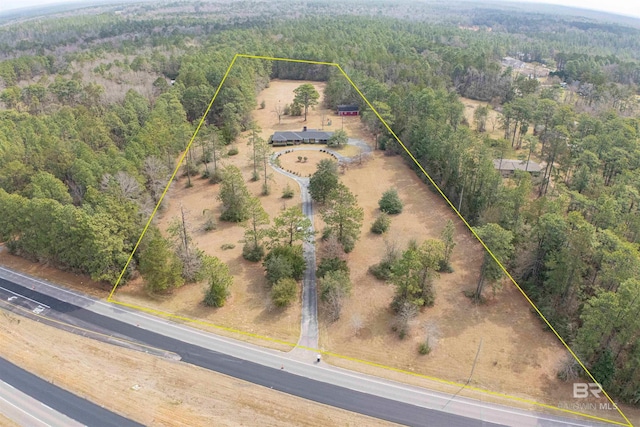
(493, 119)
(170, 393)
(248, 308)
(7, 422)
(493, 128)
(281, 92)
(517, 357)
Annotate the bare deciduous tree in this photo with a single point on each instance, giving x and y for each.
(180, 230)
(332, 248)
(334, 287)
(279, 110)
(493, 120)
(569, 369)
(391, 249)
(129, 187)
(401, 321)
(333, 303)
(357, 324)
(122, 184)
(157, 174)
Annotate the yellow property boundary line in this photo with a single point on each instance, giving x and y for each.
(489, 392)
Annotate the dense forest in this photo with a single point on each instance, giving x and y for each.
(85, 153)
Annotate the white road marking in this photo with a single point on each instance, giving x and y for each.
(22, 296)
(25, 412)
(499, 408)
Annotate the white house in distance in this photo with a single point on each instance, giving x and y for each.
(507, 167)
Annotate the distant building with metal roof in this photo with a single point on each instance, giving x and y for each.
(348, 110)
(507, 167)
(306, 136)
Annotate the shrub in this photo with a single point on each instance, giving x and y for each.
(255, 176)
(334, 287)
(348, 243)
(263, 105)
(210, 223)
(253, 253)
(277, 267)
(424, 347)
(445, 267)
(232, 151)
(215, 177)
(216, 295)
(287, 193)
(326, 233)
(331, 264)
(206, 157)
(382, 270)
(219, 281)
(390, 202)
(284, 292)
(381, 224)
(402, 333)
(290, 263)
(295, 109)
(190, 167)
(227, 246)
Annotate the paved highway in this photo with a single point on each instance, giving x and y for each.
(24, 410)
(360, 393)
(50, 398)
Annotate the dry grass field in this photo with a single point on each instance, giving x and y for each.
(514, 355)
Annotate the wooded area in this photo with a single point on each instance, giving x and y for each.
(80, 172)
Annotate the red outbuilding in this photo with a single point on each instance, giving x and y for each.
(347, 110)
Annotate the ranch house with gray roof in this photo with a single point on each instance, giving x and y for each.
(305, 136)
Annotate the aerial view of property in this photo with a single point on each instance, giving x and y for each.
(294, 213)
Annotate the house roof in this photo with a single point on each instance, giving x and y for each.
(512, 165)
(348, 107)
(301, 135)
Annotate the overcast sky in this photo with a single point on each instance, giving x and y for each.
(623, 7)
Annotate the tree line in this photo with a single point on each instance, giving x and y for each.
(80, 176)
